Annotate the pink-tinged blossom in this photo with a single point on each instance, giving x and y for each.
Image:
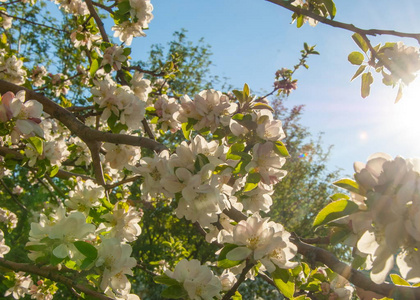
(114, 56)
(26, 115)
(197, 280)
(38, 75)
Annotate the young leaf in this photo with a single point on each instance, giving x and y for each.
(281, 149)
(185, 131)
(94, 67)
(165, 279)
(174, 292)
(356, 58)
(37, 143)
(284, 281)
(252, 181)
(348, 184)
(358, 72)
(334, 211)
(367, 80)
(398, 280)
(359, 40)
(86, 249)
(223, 262)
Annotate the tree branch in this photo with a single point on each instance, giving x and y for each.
(354, 276)
(98, 20)
(337, 24)
(85, 133)
(48, 273)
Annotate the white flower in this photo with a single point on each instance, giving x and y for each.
(114, 258)
(11, 69)
(21, 287)
(167, 110)
(267, 163)
(260, 239)
(85, 195)
(198, 280)
(4, 249)
(123, 222)
(140, 86)
(119, 156)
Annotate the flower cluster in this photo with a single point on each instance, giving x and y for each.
(118, 101)
(402, 61)
(11, 69)
(387, 221)
(138, 18)
(260, 240)
(4, 249)
(197, 280)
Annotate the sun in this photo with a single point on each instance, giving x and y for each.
(405, 118)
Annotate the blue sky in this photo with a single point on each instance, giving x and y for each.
(252, 39)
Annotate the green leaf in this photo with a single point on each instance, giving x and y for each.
(339, 196)
(54, 170)
(252, 181)
(348, 184)
(281, 149)
(237, 296)
(284, 281)
(200, 162)
(4, 38)
(124, 7)
(174, 292)
(367, 80)
(334, 211)
(338, 235)
(358, 72)
(398, 280)
(37, 143)
(94, 67)
(165, 279)
(356, 58)
(185, 131)
(399, 94)
(235, 151)
(87, 263)
(359, 40)
(86, 249)
(260, 105)
(330, 6)
(223, 262)
(300, 20)
(246, 91)
(239, 95)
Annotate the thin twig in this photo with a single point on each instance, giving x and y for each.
(33, 23)
(54, 276)
(346, 26)
(14, 198)
(241, 278)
